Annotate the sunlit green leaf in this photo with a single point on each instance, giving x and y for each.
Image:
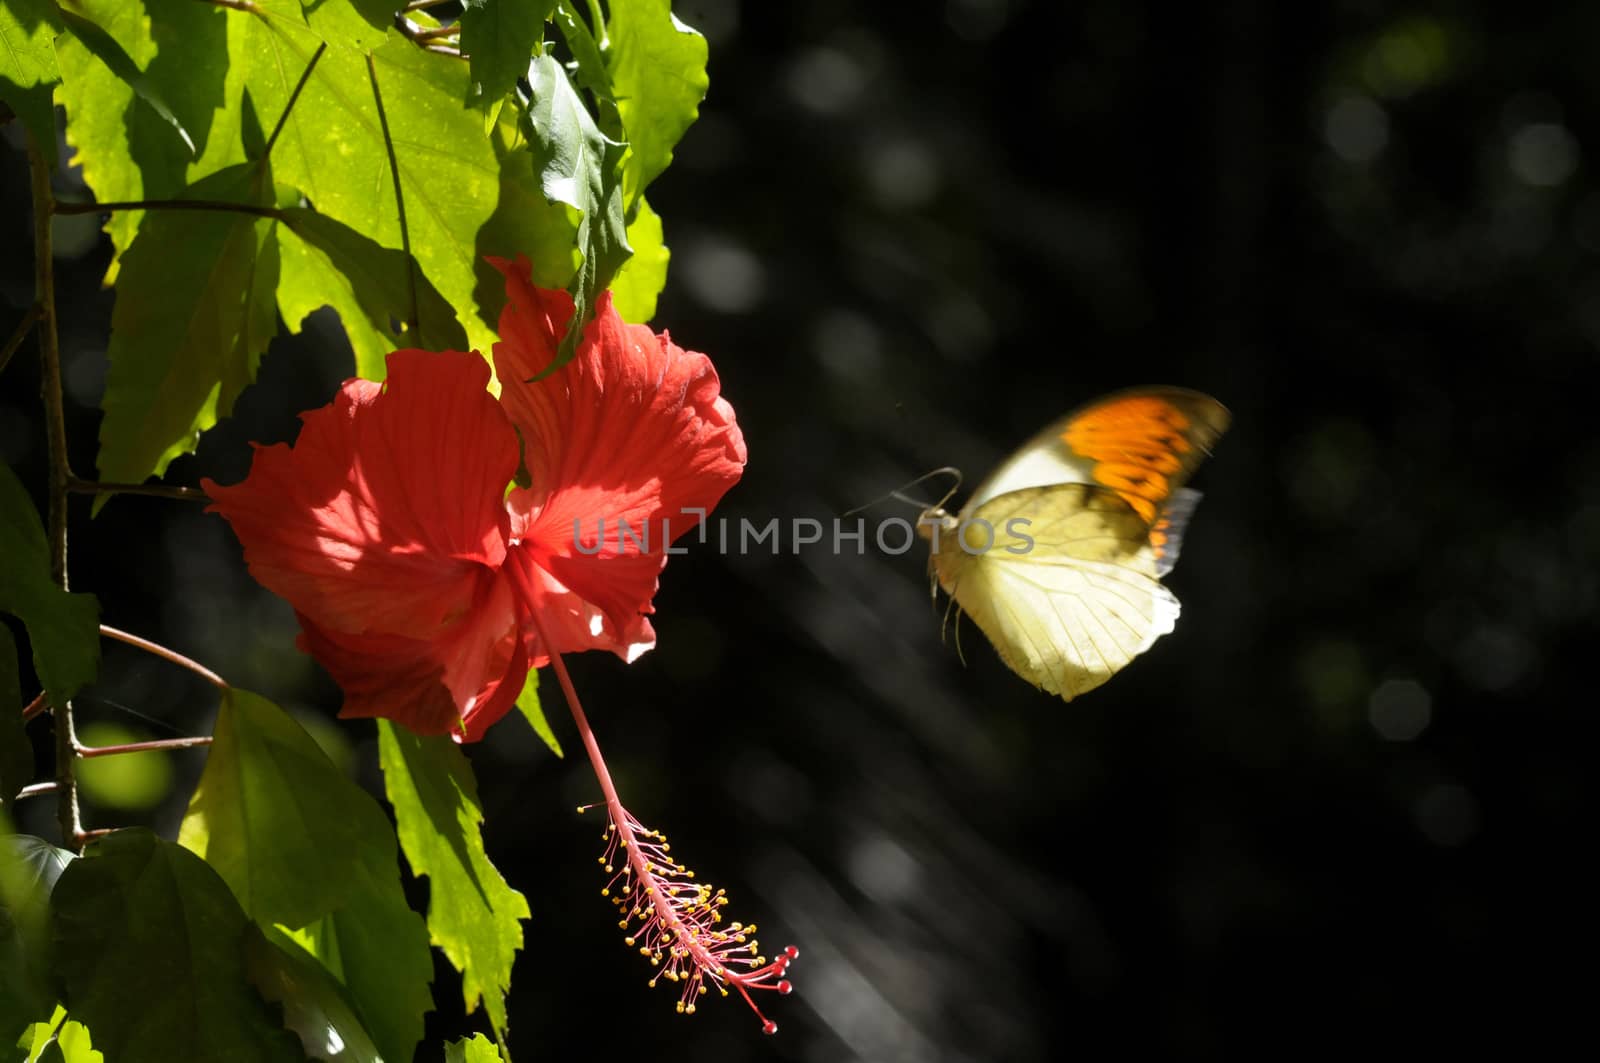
(658, 74)
(528, 705)
(474, 1049)
(640, 280)
(130, 781)
(63, 629)
(333, 148)
(28, 70)
(472, 914)
(150, 954)
(315, 1008)
(127, 149)
(58, 1041)
(303, 846)
(327, 263)
(16, 751)
(194, 312)
(29, 868)
(579, 166)
(358, 24)
(499, 36)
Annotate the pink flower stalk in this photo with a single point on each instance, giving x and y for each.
(673, 920)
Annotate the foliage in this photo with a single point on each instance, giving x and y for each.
(257, 160)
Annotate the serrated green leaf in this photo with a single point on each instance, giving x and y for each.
(127, 150)
(149, 949)
(472, 914)
(640, 280)
(63, 629)
(333, 148)
(528, 705)
(524, 222)
(16, 752)
(500, 36)
(358, 24)
(658, 74)
(315, 1008)
(280, 824)
(29, 868)
(28, 69)
(591, 72)
(57, 1041)
(303, 846)
(474, 1049)
(579, 166)
(193, 315)
(107, 49)
(327, 263)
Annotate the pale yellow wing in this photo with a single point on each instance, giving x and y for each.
(1062, 579)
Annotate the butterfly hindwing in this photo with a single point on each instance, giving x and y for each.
(1067, 589)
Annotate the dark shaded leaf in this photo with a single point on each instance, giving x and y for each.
(314, 1005)
(499, 36)
(29, 868)
(149, 947)
(63, 629)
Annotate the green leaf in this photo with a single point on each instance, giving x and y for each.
(474, 1049)
(55, 1041)
(315, 1008)
(658, 73)
(528, 705)
(127, 149)
(524, 222)
(358, 24)
(29, 868)
(640, 280)
(149, 948)
(63, 629)
(193, 315)
(500, 36)
(109, 51)
(28, 69)
(303, 846)
(135, 782)
(16, 751)
(333, 147)
(472, 914)
(327, 263)
(579, 166)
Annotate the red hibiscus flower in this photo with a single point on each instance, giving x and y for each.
(420, 583)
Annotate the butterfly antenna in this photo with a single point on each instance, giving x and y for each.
(899, 495)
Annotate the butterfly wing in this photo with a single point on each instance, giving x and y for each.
(1143, 443)
(1067, 590)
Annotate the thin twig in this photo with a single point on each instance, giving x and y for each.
(399, 198)
(95, 487)
(294, 96)
(431, 32)
(60, 470)
(90, 752)
(169, 204)
(418, 5)
(83, 837)
(165, 654)
(36, 706)
(18, 334)
(38, 789)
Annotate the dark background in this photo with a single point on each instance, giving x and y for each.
(1339, 804)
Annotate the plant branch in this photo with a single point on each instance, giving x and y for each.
(165, 654)
(36, 706)
(294, 97)
(169, 204)
(60, 469)
(413, 322)
(89, 752)
(418, 5)
(38, 789)
(18, 334)
(95, 487)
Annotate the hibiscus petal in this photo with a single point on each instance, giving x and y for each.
(385, 526)
(634, 429)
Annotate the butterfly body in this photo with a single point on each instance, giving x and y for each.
(1058, 555)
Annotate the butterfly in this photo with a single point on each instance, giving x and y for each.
(1059, 553)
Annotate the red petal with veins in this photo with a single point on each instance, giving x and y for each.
(634, 429)
(384, 525)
